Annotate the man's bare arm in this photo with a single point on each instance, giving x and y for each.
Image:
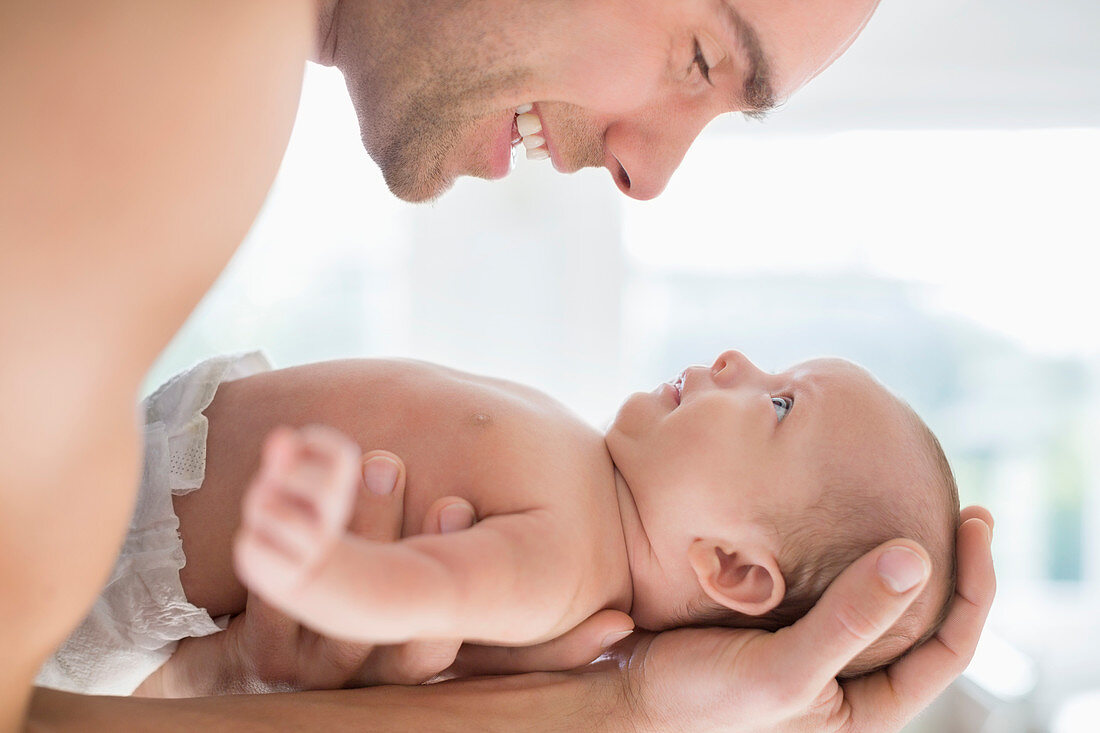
(138, 141)
(677, 671)
(697, 679)
(590, 700)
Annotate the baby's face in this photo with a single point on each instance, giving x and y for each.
(727, 443)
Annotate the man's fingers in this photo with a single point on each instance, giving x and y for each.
(861, 604)
(577, 647)
(407, 664)
(911, 683)
(379, 515)
(448, 514)
(416, 661)
(976, 512)
(380, 502)
(268, 623)
(265, 643)
(379, 508)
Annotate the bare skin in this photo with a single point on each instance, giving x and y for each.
(562, 534)
(263, 650)
(625, 85)
(461, 435)
(174, 152)
(787, 689)
(676, 509)
(139, 143)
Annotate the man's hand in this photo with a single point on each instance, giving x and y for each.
(273, 652)
(265, 651)
(747, 680)
(280, 654)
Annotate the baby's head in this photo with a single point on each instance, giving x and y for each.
(755, 490)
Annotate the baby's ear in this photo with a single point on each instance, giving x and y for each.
(745, 579)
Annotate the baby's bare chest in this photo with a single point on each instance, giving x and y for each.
(506, 459)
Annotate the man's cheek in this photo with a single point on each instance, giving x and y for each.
(612, 74)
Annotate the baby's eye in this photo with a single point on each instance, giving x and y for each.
(782, 406)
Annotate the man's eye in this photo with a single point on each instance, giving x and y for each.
(700, 61)
(782, 406)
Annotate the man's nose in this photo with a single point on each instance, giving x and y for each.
(647, 148)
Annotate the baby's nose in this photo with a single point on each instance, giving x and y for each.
(730, 366)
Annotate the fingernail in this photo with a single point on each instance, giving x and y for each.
(901, 568)
(455, 517)
(614, 638)
(380, 475)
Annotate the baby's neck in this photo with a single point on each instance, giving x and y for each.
(634, 539)
(644, 568)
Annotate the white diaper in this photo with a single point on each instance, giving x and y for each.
(140, 615)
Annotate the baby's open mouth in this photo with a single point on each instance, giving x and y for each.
(678, 386)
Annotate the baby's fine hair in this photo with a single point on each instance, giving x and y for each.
(813, 553)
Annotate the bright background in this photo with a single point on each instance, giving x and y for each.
(927, 208)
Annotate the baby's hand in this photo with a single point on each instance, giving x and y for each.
(296, 509)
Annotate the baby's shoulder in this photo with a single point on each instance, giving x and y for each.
(565, 477)
(511, 423)
(505, 446)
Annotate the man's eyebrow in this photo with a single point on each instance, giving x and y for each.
(757, 95)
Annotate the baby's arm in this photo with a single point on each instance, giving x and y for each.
(510, 579)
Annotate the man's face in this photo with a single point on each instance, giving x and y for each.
(621, 84)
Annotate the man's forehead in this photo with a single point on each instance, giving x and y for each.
(800, 38)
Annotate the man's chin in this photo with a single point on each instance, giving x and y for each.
(425, 167)
(428, 188)
(416, 190)
(420, 195)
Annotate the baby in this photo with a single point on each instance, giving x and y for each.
(726, 496)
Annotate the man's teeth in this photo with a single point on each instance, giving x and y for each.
(529, 125)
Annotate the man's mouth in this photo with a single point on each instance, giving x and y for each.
(527, 129)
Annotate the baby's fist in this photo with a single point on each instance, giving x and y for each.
(296, 508)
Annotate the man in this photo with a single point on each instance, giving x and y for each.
(621, 84)
(138, 142)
